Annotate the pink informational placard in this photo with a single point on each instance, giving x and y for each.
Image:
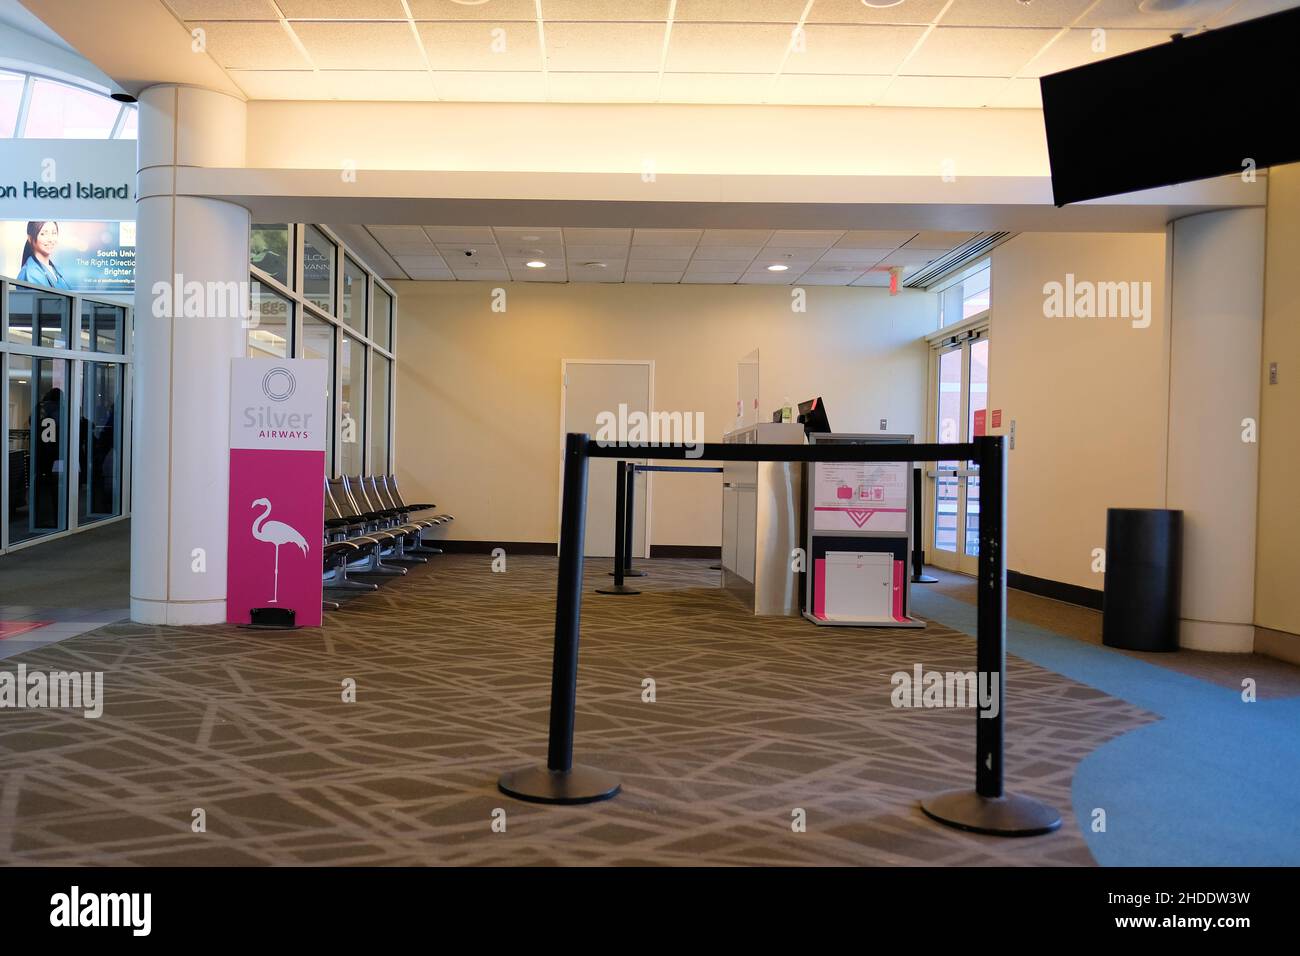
(278, 417)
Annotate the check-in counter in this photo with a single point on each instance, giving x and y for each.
(760, 521)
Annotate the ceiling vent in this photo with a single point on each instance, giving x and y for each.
(968, 251)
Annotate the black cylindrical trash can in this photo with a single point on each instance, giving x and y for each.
(1144, 573)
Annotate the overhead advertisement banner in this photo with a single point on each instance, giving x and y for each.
(91, 257)
(278, 416)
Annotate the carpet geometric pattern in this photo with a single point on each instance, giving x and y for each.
(752, 718)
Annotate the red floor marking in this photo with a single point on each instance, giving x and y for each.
(12, 628)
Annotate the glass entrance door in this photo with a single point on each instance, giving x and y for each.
(961, 377)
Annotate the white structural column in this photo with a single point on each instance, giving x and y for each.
(1217, 322)
(180, 459)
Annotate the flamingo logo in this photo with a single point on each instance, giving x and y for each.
(277, 533)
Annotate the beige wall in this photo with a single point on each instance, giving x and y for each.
(1277, 597)
(1089, 398)
(478, 392)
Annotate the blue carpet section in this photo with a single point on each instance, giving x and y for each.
(1216, 782)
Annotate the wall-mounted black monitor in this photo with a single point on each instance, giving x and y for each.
(1215, 103)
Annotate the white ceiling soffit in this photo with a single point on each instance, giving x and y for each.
(940, 53)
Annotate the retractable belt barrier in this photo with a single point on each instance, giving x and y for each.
(986, 809)
(624, 516)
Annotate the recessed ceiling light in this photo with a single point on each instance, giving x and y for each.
(881, 4)
(595, 265)
(535, 264)
(777, 267)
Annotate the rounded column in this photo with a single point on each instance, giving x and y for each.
(191, 268)
(1217, 323)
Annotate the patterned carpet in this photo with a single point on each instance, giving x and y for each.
(752, 719)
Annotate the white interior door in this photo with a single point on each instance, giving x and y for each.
(590, 389)
(961, 377)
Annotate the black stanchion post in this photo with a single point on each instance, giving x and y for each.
(918, 528)
(621, 507)
(629, 527)
(560, 781)
(987, 808)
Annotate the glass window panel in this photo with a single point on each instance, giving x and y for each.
(318, 343)
(381, 372)
(58, 111)
(99, 478)
(354, 295)
(130, 124)
(270, 325)
(38, 446)
(975, 293)
(949, 431)
(11, 94)
(269, 248)
(318, 269)
(979, 401)
(48, 314)
(381, 319)
(101, 327)
(352, 394)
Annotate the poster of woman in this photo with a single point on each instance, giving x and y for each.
(38, 266)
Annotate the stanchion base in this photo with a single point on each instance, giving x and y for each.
(631, 573)
(543, 785)
(924, 579)
(617, 589)
(1008, 815)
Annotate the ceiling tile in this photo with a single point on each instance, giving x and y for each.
(658, 263)
(431, 275)
(874, 50)
(281, 84)
(1250, 10)
(725, 88)
(493, 46)
(976, 51)
(360, 46)
(707, 279)
(482, 275)
(1018, 94)
(548, 234)
(380, 85)
(420, 262)
(1014, 13)
(827, 278)
(597, 47)
(855, 11)
(874, 238)
(497, 10)
(1125, 13)
(809, 89)
(726, 48)
(718, 267)
(769, 278)
(251, 46)
(942, 91)
(939, 240)
(909, 257)
(595, 252)
(866, 257)
(223, 9)
(735, 237)
(486, 87)
(726, 253)
(666, 237)
(576, 235)
(342, 9)
(602, 87)
(740, 11)
(810, 238)
(1076, 48)
(872, 279)
(458, 234)
(669, 277)
(399, 233)
(604, 10)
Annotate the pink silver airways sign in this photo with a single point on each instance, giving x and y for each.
(278, 415)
